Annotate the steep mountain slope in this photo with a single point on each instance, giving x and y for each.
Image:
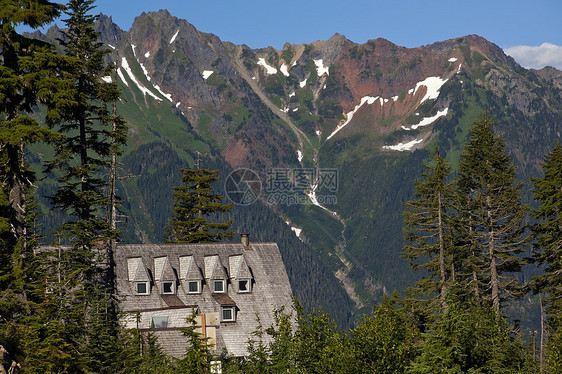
(337, 132)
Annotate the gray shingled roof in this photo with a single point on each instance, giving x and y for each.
(262, 264)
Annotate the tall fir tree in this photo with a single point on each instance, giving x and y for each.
(81, 111)
(491, 215)
(427, 226)
(195, 201)
(24, 70)
(548, 243)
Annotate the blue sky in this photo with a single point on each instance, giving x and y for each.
(511, 24)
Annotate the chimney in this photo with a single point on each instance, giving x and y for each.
(246, 240)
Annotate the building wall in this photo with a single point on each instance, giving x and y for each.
(270, 290)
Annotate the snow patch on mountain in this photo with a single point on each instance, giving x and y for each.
(314, 199)
(111, 46)
(144, 71)
(268, 68)
(403, 146)
(427, 120)
(302, 83)
(284, 70)
(296, 230)
(207, 73)
(452, 59)
(174, 37)
(147, 55)
(299, 155)
(107, 79)
(320, 68)
(120, 74)
(366, 99)
(433, 85)
(166, 95)
(133, 47)
(145, 91)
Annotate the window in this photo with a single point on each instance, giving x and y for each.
(218, 286)
(142, 288)
(193, 287)
(159, 322)
(168, 288)
(228, 314)
(244, 285)
(216, 367)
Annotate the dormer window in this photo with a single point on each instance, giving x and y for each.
(142, 288)
(194, 286)
(168, 288)
(219, 286)
(244, 286)
(228, 314)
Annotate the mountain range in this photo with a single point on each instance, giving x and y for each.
(327, 138)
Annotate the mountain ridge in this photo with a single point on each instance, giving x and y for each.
(369, 111)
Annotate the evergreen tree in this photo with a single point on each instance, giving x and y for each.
(197, 359)
(79, 110)
(491, 214)
(548, 234)
(470, 338)
(315, 334)
(428, 228)
(384, 342)
(281, 348)
(194, 201)
(24, 71)
(257, 360)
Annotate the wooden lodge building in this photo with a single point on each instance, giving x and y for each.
(227, 285)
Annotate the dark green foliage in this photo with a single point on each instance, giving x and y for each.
(195, 200)
(548, 234)
(470, 338)
(24, 65)
(427, 221)
(384, 342)
(197, 357)
(80, 111)
(547, 231)
(257, 359)
(78, 314)
(490, 215)
(313, 341)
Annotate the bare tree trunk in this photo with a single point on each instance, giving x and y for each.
(543, 339)
(494, 280)
(17, 187)
(112, 207)
(441, 249)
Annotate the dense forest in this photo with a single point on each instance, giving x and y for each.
(58, 312)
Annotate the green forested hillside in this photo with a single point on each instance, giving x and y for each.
(201, 94)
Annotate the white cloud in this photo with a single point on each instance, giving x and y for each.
(534, 57)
